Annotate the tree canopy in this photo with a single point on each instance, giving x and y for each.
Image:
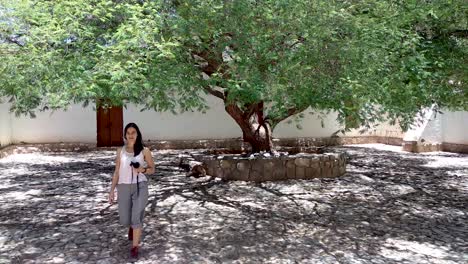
(368, 60)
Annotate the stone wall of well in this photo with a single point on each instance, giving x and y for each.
(260, 168)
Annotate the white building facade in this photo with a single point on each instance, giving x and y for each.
(79, 124)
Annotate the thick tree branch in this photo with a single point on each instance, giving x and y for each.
(459, 33)
(236, 113)
(298, 41)
(211, 62)
(214, 92)
(14, 41)
(290, 112)
(251, 109)
(462, 33)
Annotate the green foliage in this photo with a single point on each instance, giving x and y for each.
(368, 60)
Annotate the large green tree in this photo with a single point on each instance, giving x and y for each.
(368, 60)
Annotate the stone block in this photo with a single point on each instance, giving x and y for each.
(257, 165)
(218, 172)
(268, 168)
(268, 165)
(336, 171)
(238, 175)
(409, 146)
(256, 176)
(279, 174)
(302, 162)
(336, 163)
(343, 169)
(290, 164)
(327, 170)
(243, 166)
(227, 174)
(311, 173)
(226, 164)
(291, 173)
(315, 164)
(300, 173)
(210, 166)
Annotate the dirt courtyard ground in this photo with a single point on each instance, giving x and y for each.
(390, 207)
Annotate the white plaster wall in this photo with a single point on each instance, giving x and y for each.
(76, 124)
(311, 126)
(427, 130)
(5, 124)
(384, 129)
(433, 131)
(215, 124)
(455, 127)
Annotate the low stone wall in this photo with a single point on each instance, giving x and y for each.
(262, 168)
(229, 143)
(335, 141)
(279, 143)
(236, 144)
(457, 148)
(415, 146)
(418, 147)
(6, 150)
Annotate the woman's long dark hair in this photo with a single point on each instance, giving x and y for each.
(138, 147)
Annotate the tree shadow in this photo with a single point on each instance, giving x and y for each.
(389, 207)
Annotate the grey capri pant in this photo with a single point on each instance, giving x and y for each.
(132, 204)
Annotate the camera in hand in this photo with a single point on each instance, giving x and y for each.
(135, 164)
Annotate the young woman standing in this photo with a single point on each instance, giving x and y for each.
(132, 184)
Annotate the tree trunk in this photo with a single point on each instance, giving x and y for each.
(256, 131)
(259, 140)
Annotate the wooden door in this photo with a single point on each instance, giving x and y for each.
(109, 126)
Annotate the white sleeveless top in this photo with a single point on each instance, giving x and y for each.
(125, 170)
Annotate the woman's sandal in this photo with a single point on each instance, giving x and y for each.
(134, 252)
(130, 233)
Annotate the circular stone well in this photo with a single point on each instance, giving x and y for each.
(260, 168)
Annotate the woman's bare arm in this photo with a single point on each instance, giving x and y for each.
(149, 161)
(115, 177)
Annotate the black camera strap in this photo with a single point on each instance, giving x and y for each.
(138, 187)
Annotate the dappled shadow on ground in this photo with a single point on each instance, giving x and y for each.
(390, 207)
